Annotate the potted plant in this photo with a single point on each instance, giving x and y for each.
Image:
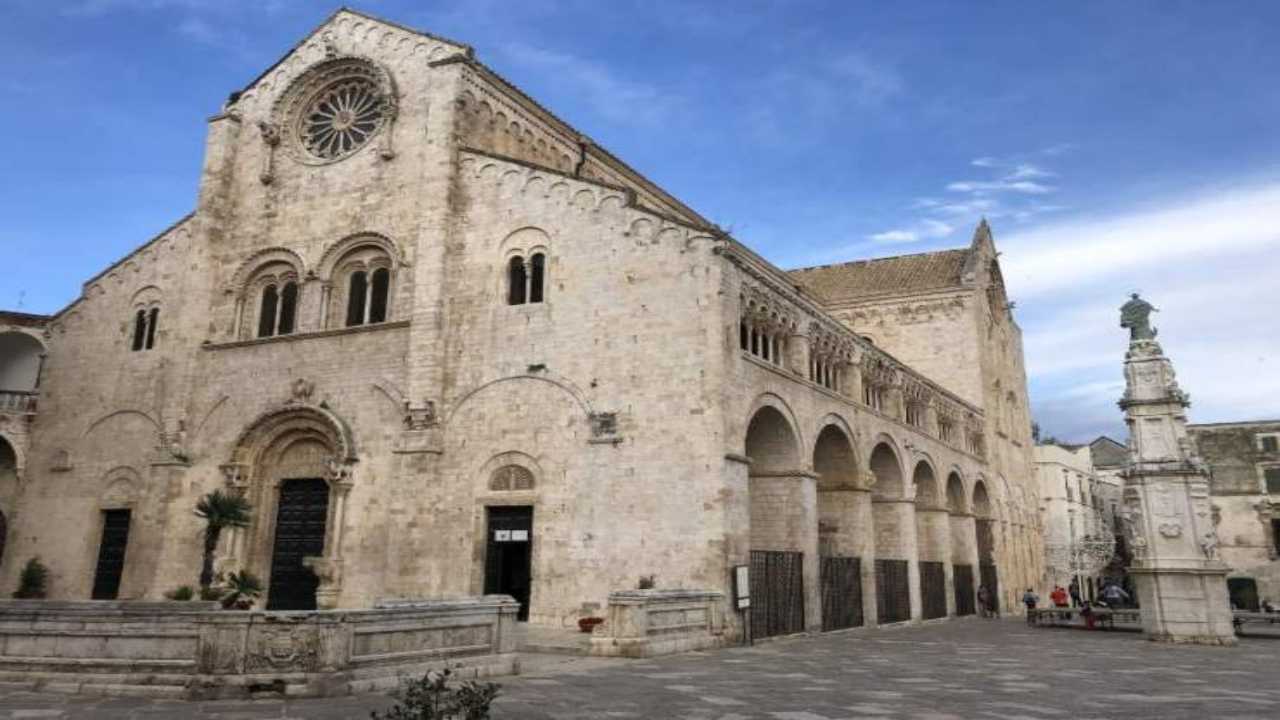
(34, 581)
(588, 624)
(243, 588)
(220, 510)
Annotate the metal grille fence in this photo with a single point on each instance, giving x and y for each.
(777, 593)
(841, 592)
(892, 593)
(933, 590)
(963, 580)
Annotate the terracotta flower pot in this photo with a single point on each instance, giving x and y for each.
(588, 624)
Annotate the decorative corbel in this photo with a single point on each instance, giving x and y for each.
(270, 138)
(236, 476)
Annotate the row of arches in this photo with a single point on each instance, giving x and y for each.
(913, 543)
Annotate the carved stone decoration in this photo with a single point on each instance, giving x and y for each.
(328, 570)
(283, 649)
(1170, 529)
(301, 390)
(604, 424)
(271, 138)
(337, 108)
(420, 417)
(1209, 544)
(511, 477)
(235, 475)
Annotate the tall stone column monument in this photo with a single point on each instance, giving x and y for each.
(1180, 581)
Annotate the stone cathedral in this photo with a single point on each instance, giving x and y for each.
(445, 345)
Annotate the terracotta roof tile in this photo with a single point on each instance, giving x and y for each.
(900, 275)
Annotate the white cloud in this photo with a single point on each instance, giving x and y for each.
(895, 236)
(984, 162)
(1027, 171)
(926, 229)
(994, 186)
(1208, 263)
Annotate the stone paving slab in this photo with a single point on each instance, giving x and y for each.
(969, 669)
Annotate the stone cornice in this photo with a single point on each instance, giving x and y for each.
(297, 337)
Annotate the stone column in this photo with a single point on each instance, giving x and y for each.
(1180, 581)
(896, 540)
(798, 348)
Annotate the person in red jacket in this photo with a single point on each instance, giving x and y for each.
(1058, 596)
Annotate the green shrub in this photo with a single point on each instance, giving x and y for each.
(182, 592)
(211, 593)
(431, 698)
(34, 581)
(242, 589)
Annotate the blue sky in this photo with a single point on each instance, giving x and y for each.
(1114, 146)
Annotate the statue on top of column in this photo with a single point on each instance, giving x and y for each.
(1136, 315)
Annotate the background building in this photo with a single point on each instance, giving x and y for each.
(1244, 468)
(1078, 509)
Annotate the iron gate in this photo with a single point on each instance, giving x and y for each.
(989, 578)
(963, 580)
(892, 591)
(777, 593)
(841, 592)
(933, 590)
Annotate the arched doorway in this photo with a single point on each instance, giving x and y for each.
(293, 465)
(784, 529)
(984, 530)
(844, 519)
(894, 517)
(932, 542)
(963, 549)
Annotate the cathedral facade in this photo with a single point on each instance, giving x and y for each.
(445, 345)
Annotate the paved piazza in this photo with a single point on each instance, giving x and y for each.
(965, 669)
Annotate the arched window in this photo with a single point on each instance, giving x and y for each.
(378, 295)
(267, 314)
(357, 295)
(516, 281)
(288, 309)
(152, 318)
(139, 330)
(537, 275)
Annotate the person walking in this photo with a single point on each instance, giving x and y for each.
(1074, 589)
(1030, 599)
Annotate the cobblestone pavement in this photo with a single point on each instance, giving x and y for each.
(964, 669)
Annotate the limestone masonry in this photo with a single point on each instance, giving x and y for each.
(447, 346)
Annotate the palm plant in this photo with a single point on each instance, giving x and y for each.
(220, 510)
(242, 589)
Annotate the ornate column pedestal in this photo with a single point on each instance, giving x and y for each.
(1181, 583)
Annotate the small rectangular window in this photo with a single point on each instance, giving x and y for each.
(1272, 475)
(1269, 443)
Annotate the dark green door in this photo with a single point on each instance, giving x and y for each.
(300, 525)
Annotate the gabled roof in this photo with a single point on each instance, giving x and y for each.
(898, 275)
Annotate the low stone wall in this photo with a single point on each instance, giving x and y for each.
(194, 650)
(645, 623)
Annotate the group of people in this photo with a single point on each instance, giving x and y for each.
(1111, 596)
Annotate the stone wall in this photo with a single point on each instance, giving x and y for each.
(192, 650)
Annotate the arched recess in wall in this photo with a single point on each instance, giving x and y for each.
(894, 514)
(21, 357)
(933, 540)
(886, 466)
(525, 262)
(771, 440)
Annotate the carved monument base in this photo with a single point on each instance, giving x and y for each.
(1185, 605)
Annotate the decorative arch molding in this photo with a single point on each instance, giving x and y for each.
(860, 479)
(271, 425)
(529, 239)
(120, 488)
(938, 500)
(262, 258)
(511, 458)
(980, 512)
(146, 297)
(775, 401)
(544, 376)
(333, 255)
(117, 413)
(957, 504)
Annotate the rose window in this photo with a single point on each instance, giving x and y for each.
(341, 118)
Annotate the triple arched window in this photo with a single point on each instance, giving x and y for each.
(526, 278)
